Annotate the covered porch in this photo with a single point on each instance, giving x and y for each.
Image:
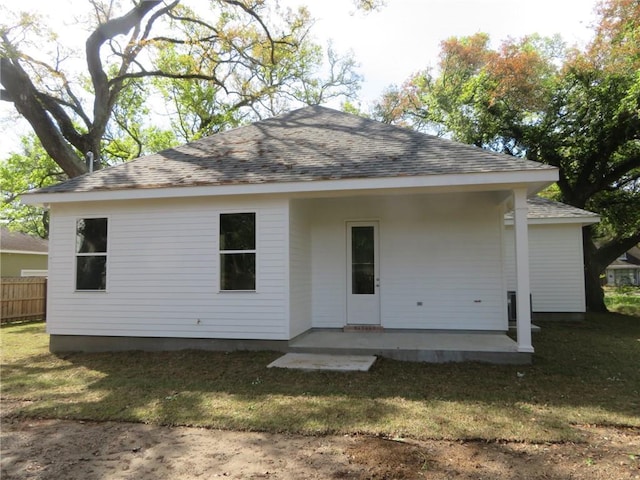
(435, 346)
(425, 267)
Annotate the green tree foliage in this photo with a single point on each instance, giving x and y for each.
(206, 71)
(578, 110)
(275, 80)
(21, 172)
(216, 67)
(130, 134)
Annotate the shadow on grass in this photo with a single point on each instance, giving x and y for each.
(582, 373)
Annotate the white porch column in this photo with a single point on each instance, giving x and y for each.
(523, 287)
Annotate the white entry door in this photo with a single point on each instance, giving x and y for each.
(363, 274)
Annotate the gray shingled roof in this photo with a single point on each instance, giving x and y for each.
(544, 208)
(21, 242)
(309, 144)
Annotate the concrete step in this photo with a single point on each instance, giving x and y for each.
(315, 361)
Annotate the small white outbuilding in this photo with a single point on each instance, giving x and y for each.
(556, 258)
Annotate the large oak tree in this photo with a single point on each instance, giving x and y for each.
(240, 60)
(576, 109)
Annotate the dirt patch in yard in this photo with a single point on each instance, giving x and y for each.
(55, 449)
(606, 454)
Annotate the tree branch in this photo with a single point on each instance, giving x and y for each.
(166, 10)
(103, 101)
(620, 170)
(252, 12)
(161, 74)
(611, 250)
(27, 101)
(6, 96)
(197, 21)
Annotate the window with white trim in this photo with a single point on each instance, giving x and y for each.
(237, 251)
(91, 254)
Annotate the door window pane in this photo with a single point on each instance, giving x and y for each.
(362, 261)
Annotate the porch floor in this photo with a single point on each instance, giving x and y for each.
(435, 346)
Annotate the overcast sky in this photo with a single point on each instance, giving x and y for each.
(390, 44)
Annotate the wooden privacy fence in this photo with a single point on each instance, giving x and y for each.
(23, 298)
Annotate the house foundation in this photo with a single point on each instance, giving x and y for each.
(405, 345)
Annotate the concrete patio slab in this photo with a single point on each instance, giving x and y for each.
(414, 345)
(316, 361)
(411, 340)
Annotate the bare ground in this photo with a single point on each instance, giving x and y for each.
(59, 449)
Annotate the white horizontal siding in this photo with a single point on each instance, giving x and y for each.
(300, 268)
(556, 265)
(441, 250)
(163, 272)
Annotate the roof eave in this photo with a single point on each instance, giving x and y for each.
(533, 180)
(624, 267)
(559, 220)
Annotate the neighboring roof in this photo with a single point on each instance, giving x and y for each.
(543, 210)
(309, 144)
(632, 261)
(21, 242)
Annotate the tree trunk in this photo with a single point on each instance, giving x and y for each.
(592, 270)
(596, 260)
(593, 288)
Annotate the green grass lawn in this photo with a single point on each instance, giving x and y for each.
(583, 373)
(625, 300)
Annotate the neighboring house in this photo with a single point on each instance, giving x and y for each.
(556, 256)
(625, 270)
(22, 255)
(275, 232)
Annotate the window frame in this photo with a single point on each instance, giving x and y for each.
(253, 251)
(77, 254)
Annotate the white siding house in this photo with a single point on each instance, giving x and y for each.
(162, 272)
(313, 220)
(625, 270)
